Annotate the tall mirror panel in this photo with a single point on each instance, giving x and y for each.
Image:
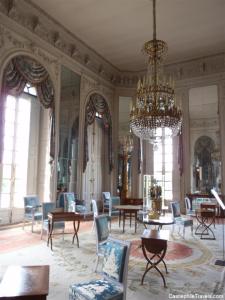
(204, 139)
(125, 147)
(69, 129)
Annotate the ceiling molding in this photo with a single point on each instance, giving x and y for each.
(40, 24)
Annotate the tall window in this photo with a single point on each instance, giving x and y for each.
(15, 152)
(13, 183)
(163, 164)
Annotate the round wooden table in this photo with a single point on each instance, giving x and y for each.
(144, 218)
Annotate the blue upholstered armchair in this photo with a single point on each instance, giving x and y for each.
(108, 203)
(46, 208)
(113, 281)
(68, 202)
(189, 211)
(32, 211)
(179, 219)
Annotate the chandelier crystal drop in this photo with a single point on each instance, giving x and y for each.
(155, 106)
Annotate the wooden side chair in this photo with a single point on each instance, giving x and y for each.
(112, 282)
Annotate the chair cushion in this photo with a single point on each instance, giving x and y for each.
(184, 221)
(176, 209)
(106, 195)
(96, 289)
(101, 248)
(113, 262)
(102, 228)
(80, 208)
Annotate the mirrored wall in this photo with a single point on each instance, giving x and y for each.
(69, 130)
(204, 139)
(125, 147)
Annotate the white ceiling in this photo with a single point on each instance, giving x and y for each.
(117, 29)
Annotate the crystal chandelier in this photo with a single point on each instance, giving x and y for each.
(155, 106)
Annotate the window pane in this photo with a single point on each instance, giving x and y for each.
(10, 102)
(18, 199)
(168, 158)
(158, 167)
(168, 176)
(158, 176)
(6, 184)
(19, 186)
(168, 167)
(168, 195)
(9, 129)
(24, 106)
(5, 200)
(21, 145)
(20, 171)
(8, 142)
(168, 142)
(7, 157)
(168, 185)
(6, 171)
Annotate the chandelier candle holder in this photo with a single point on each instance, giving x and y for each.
(155, 106)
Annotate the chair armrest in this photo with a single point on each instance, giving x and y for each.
(31, 206)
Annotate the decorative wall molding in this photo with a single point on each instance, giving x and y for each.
(183, 71)
(32, 18)
(88, 84)
(11, 43)
(40, 24)
(204, 123)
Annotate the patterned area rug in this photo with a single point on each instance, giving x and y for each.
(190, 264)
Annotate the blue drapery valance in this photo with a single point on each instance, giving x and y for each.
(98, 104)
(20, 71)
